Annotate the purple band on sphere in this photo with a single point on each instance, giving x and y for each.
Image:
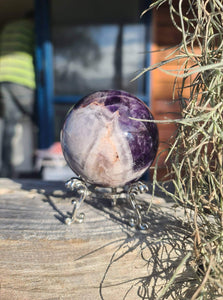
(123, 149)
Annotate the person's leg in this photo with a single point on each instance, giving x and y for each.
(10, 117)
(24, 97)
(1, 128)
(14, 96)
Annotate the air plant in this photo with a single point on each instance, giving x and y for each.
(195, 156)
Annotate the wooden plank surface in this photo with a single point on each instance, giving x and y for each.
(102, 258)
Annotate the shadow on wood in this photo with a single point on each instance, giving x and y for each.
(103, 258)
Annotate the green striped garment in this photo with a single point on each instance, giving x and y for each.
(16, 53)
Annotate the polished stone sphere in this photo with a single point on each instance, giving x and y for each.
(103, 145)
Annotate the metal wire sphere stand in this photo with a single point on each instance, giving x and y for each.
(131, 191)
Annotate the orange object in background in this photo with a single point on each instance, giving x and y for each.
(164, 105)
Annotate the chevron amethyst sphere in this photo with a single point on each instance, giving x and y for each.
(103, 145)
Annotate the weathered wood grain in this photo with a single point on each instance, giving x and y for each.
(103, 258)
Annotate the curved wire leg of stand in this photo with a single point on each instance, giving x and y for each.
(133, 190)
(80, 186)
(114, 197)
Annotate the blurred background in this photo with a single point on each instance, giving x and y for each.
(80, 47)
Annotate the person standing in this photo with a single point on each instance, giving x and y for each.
(17, 84)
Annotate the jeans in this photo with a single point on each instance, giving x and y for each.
(16, 101)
